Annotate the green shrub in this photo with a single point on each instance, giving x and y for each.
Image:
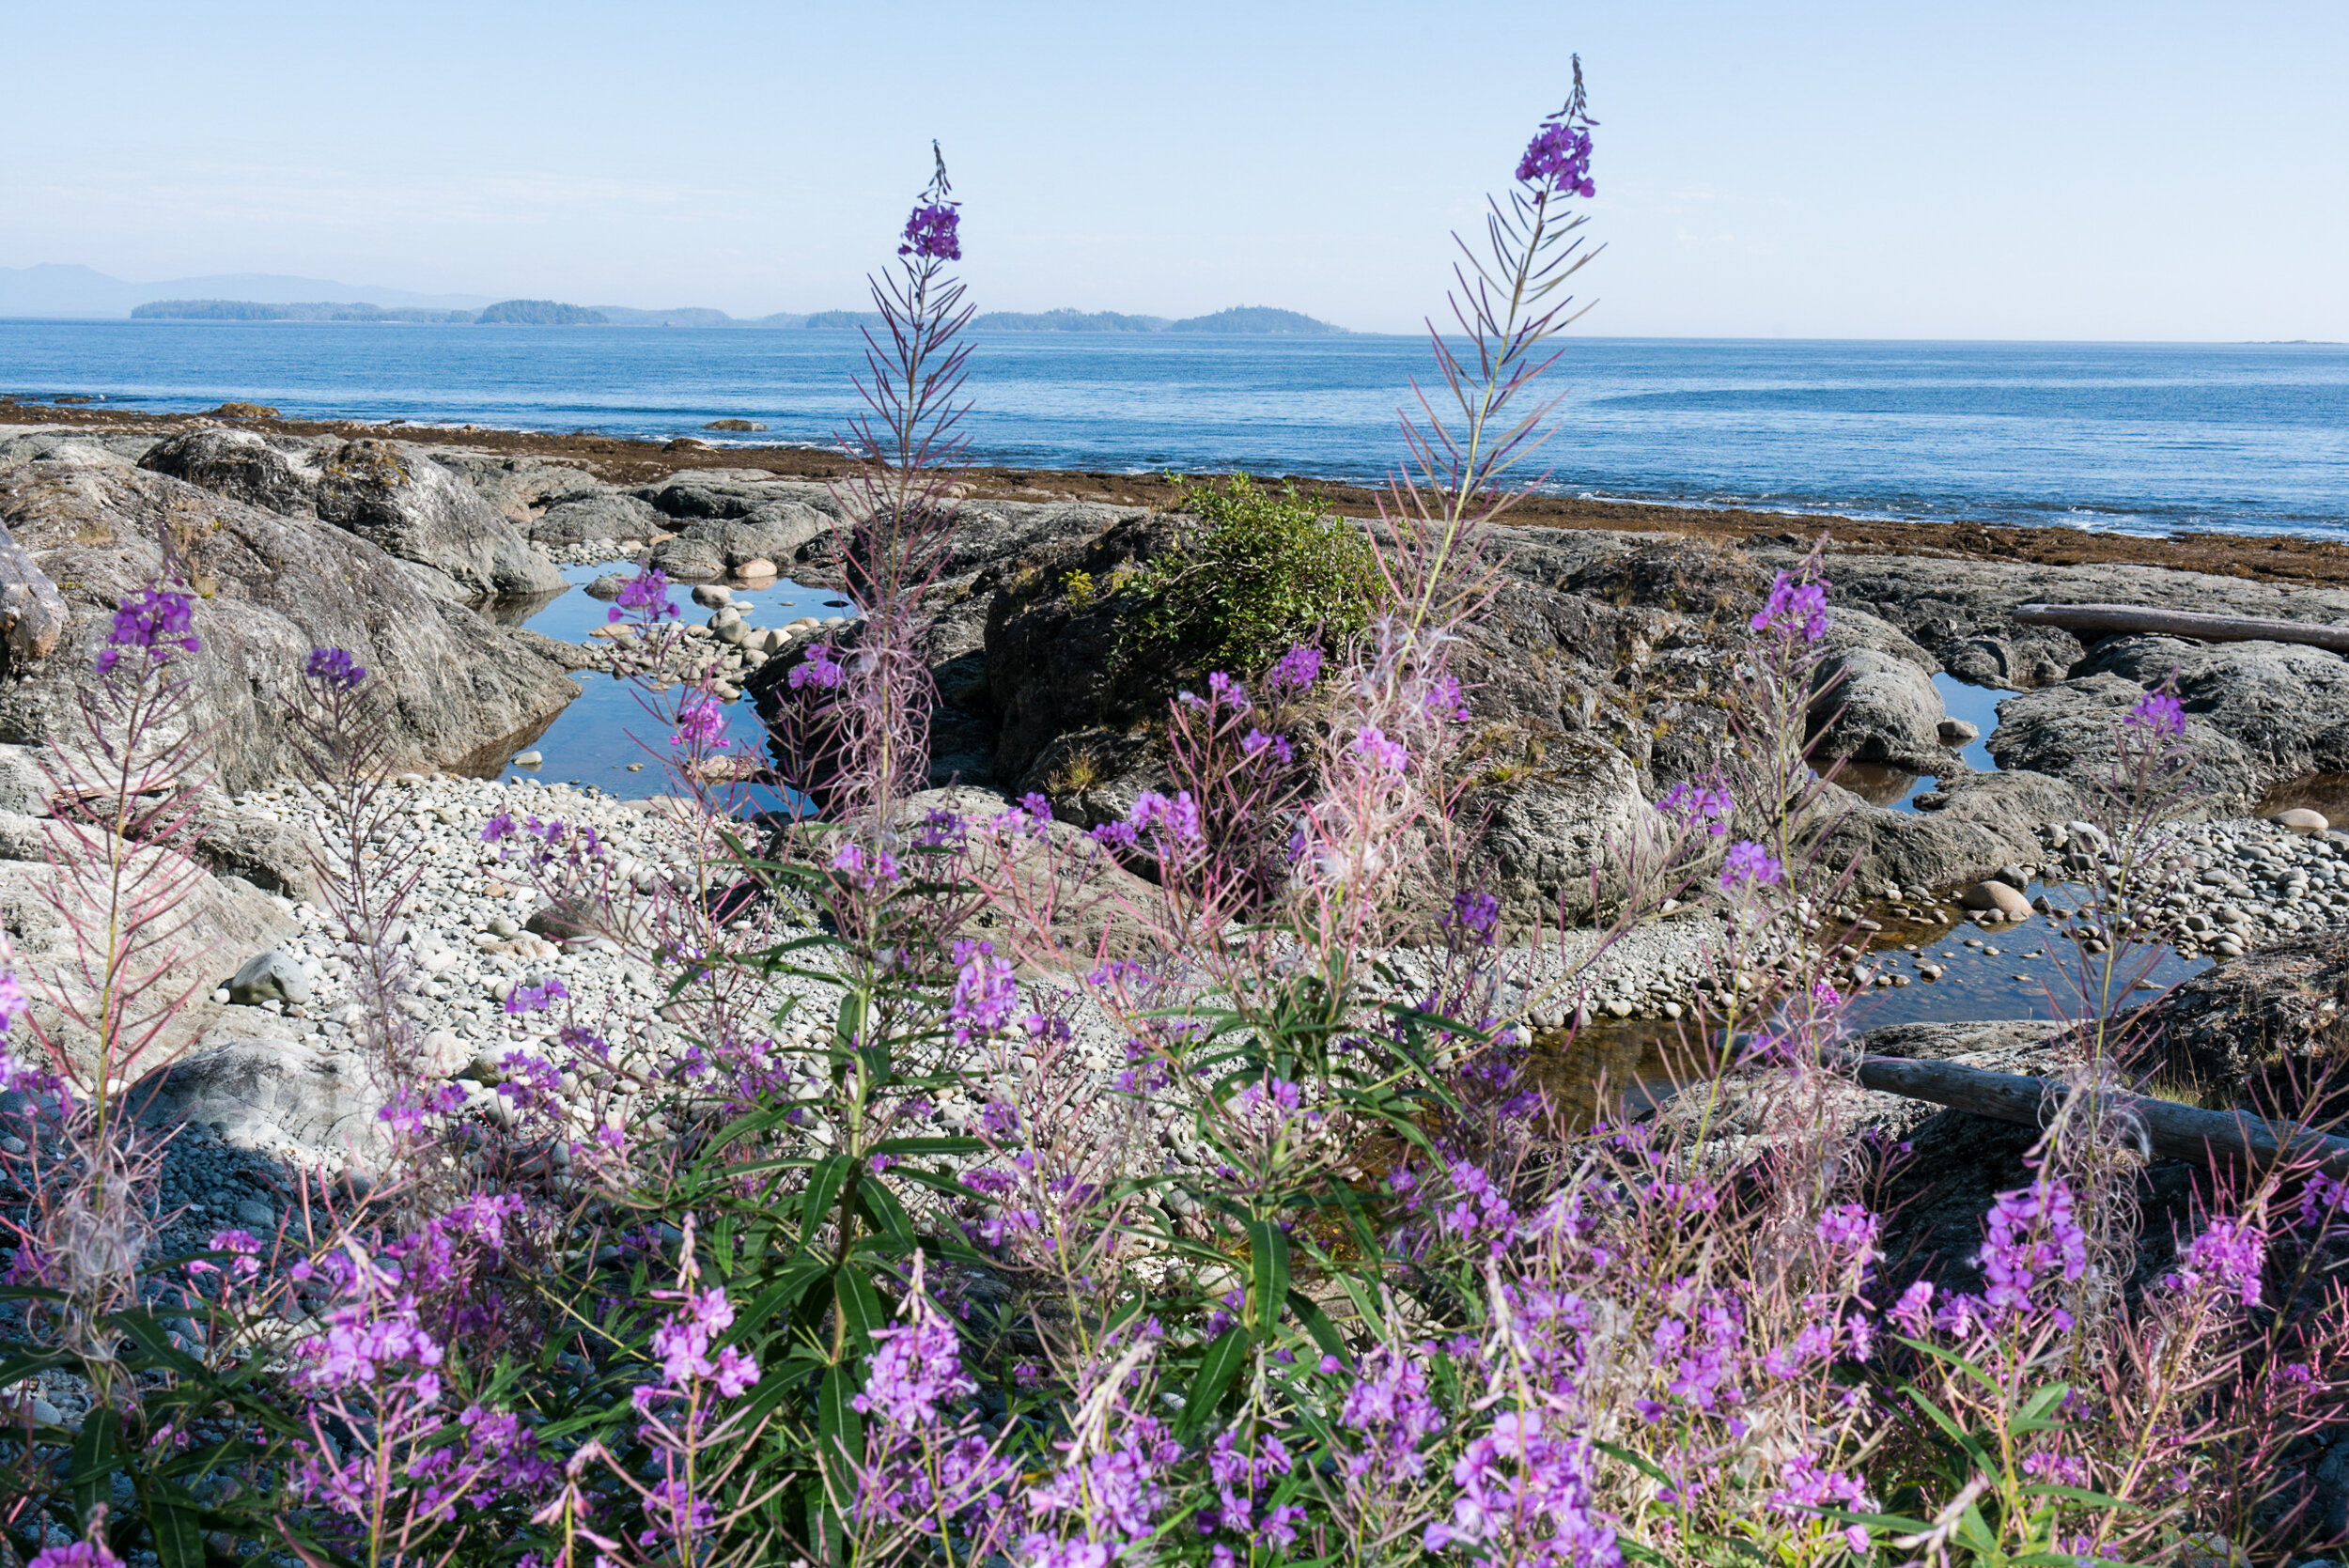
(1266, 570)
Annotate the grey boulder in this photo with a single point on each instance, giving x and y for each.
(411, 506)
(270, 976)
(271, 588)
(1874, 707)
(605, 515)
(1562, 838)
(2073, 730)
(270, 1094)
(240, 465)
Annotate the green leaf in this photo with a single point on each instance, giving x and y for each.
(904, 1146)
(177, 1533)
(839, 1434)
(1222, 1361)
(97, 1454)
(823, 1190)
(1268, 1270)
(1317, 1323)
(860, 1306)
(153, 1338)
(888, 1215)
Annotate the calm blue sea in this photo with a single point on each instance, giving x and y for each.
(2142, 437)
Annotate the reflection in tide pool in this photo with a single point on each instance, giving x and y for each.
(608, 727)
(2032, 969)
(1896, 787)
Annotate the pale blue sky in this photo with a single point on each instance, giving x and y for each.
(2048, 170)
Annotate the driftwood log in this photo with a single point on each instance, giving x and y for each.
(2176, 1132)
(2146, 620)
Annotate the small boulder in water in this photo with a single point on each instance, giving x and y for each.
(528, 760)
(709, 596)
(2009, 902)
(2301, 820)
(608, 586)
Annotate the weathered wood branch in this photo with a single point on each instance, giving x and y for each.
(2184, 623)
(2176, 1132)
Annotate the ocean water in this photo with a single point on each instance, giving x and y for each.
(2140, 436)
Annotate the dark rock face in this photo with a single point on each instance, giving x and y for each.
(722, 523)
(2072, 730)
(1985, 821)
(1054, 666)
(412, 507)
(279, 588)
(241, 466)
(2258, 1031)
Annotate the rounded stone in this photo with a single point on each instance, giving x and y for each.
(709, 596)
(758, 566)
(529, 760)
(2301, 820)
(2009, 902)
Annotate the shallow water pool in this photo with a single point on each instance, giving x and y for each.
(608, 727)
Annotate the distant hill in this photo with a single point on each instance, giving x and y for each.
(252, 310)
(1067, 322)
(538, 312)
(1256, 320)
(52, 290)
(839, 319)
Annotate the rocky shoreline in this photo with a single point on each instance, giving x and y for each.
(1592, 680)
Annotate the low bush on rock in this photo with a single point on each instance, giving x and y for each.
(1266, 570)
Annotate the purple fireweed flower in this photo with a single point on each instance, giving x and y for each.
(1559, 156)
(700, 722)
(1794, 610)
(245, 1250)
(1532, 1494)
(1297, 669)
(646, 593)
(2157, 712)
(155, 622)
(1748, 863)
(2228, 1255)
(1372, 747)
(334, 667)
(865, 869)
(984, 992)
(15, 1004)
(538, 998)
(915, 1370)
(1850, 1228)
(2322, 1202)
(1388, 1406)
(2029, 1233)
(1172, 823)
(497, 828)
(1255, 744)
(81, 1554)
(1445, 700)
(820, 669)
(932, 232)
(1707, 806)
(1473, 912)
